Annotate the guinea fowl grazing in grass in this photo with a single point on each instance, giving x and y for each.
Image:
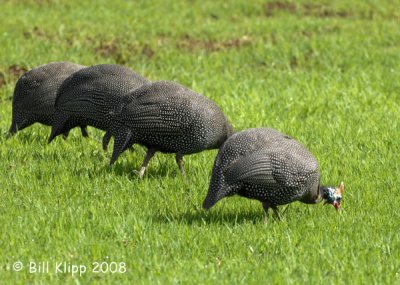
(35, 94)
(91, 95)
(271, 167)
(167, 117)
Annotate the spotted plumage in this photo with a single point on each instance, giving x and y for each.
(268, 166)
(35, 94)
(91, 95)
(165, 116)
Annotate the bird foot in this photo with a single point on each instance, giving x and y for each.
(183, 172)
(276, 215)
(141, 172)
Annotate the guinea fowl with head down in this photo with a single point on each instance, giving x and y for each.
(35, 94)
(167, 117)
(271, 167)
(91, 95)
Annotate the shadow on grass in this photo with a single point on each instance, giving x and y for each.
(127, 168)
(130, 163)
(27, 136)
(202, 217)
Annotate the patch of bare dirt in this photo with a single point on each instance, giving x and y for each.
(190, 44)
(320, 11)
(11, 73)
(2, 80)
(112, 49)
(148, 51)
(16, 70)
(36, 32)
(293, 62)
(271, 8)
(121, 51)
(313, 10)
(37, 2)
(107, 49)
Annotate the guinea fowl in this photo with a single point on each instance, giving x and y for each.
(271, 167)
(91, 95)
(35, 94)
(167, 117)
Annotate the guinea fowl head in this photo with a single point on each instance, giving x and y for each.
(332, 195)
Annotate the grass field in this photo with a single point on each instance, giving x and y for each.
(327, 74)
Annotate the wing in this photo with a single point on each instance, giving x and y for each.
(270, 168)
(255, 168)
(160, 119)
(156, 109)
(89, 102)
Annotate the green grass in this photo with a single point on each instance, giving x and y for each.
(327, 74)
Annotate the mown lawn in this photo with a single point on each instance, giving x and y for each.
(327, 74)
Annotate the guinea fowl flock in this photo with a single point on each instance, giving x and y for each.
(165, 116)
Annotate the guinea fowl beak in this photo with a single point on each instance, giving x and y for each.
(336, 204)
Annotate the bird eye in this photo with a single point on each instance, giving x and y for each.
(330, 199)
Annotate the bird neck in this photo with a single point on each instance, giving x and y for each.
(313, 196)
(324, 192)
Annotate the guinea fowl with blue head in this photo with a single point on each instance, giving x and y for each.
(271, 167)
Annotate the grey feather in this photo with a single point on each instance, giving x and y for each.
(256, 168)
(165, 116)
(35, 94)
(93, 95)
(266, 165)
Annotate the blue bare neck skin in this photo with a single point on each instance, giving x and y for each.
(327, 193)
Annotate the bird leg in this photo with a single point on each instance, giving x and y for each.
(149, 154)
(84, 131)
(106, 140)
(277, 216)
(179, 161)
(266, 207)
(65, 135)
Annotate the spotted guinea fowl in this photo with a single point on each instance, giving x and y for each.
(168, 117)
(271, 167)
(35, 94)
(90, 96)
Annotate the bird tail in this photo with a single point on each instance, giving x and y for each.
(59, 125)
